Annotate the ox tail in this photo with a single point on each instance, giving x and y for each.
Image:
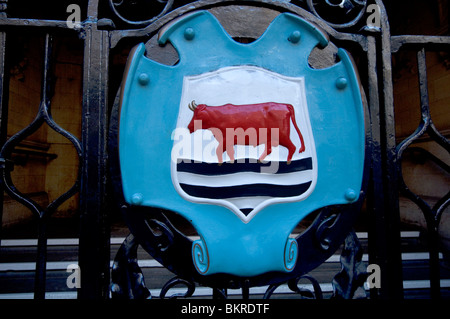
(292, 112)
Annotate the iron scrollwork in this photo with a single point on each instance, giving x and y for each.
(338, 13)
(323, 229)
(349, 282)
(426, 126)
(119, 8)
(128, 280)
(432, 214)
(293, 286)
(126, 275)
(178, 281)
(43, 116)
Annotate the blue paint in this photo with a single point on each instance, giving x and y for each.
(149, 110)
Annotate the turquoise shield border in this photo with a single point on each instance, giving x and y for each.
(150, 100)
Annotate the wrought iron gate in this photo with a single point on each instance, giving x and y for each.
(105, 27)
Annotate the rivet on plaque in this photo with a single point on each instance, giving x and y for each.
(295, 36)
(189, 34)
(350, 195)
(137, 199)
(143, 79)
(341, 83)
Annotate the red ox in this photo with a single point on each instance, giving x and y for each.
(251, 124)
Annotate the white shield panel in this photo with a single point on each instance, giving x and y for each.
(253, 180)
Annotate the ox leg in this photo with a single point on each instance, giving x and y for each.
(219, 152)
(267, 151)
(291, 148)
(230, 151)
(302, 148)
(272, 139)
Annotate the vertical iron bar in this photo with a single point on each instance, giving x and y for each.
(94, 234)
(384, 228)
(41, 258)
(4, 93)
(4, 98)
(384, 234)
(432, 225)
(391, 166)
(423, 85)
(376, 230)
(219, 293)
(245, 290)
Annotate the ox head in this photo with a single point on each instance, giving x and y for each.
(197, 115)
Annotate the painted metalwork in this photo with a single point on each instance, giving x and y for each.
(273, 68)
(345, 23)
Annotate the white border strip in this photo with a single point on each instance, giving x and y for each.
(61, 241)
(119, 240)
(63, 265)
(207, 292)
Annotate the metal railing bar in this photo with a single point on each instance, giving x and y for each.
(17, 22)
(430, 42)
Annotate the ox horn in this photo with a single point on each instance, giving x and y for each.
(192, 106)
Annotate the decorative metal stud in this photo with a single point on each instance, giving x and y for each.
(350, 195)
(143, 79)
(295, 36)
(137, 199)
(189, 34)
(341, 83)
